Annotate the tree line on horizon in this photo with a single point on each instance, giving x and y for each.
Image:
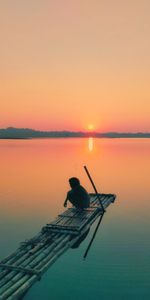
(25, 133)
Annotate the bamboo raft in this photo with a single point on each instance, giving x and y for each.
(26, 265)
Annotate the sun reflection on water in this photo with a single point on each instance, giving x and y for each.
(90, 144)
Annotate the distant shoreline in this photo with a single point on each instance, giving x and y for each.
(26, 133)
(63, 137)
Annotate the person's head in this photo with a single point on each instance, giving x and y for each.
(74, 182)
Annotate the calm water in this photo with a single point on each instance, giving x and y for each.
(33, 185)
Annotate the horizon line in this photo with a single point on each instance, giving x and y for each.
(73, 131)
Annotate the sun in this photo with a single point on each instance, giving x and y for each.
(90, 126)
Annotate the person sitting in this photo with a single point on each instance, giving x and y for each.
(77, 196)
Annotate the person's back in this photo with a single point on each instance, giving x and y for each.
(78, 196)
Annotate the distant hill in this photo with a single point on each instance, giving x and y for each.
(26, 133)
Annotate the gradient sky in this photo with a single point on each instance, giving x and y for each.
(66, 64)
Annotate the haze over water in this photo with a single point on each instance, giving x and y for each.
(33, 185)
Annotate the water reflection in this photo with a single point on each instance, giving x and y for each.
(90, 144)
(80, 240)
(33, 183)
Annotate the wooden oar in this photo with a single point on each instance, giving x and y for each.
(92, 239)
(94, 187)
(101, 216)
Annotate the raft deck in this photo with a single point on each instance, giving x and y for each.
(26, 265)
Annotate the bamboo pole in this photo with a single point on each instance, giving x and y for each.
(18, 254)
(94, 187)
(19, 258)
(48, 258)
(89, 246)
(31, 261)
(104, 204)
(24, 264)
(19, 261)
(21, 281)
(105, 200)
(30, 282)
(23, 288)
(12, 255)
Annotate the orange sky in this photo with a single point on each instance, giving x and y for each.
(66, 64)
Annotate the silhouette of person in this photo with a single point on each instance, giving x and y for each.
(77, 196)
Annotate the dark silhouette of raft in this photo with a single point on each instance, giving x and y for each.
(26, 265)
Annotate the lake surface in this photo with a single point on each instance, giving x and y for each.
(33, 185)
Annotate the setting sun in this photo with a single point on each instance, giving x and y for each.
(90, 126)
